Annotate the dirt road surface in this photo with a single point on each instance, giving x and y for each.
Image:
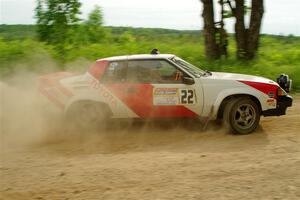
(155, 162)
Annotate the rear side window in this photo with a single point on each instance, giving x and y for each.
(115, 72)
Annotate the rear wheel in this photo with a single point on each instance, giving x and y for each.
(242, 115)
(87, 115)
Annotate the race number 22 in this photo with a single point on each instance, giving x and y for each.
(187, 97)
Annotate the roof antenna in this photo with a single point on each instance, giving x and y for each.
(154, 52)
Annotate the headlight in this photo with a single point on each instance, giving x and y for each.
(284, 82)
(281, 92)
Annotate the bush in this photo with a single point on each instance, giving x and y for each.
(276, 55)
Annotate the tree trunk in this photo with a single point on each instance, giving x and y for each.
(257, 11)
(240, 31)
(211, 48)
(248, 39)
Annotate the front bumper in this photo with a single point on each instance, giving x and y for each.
(282, 103)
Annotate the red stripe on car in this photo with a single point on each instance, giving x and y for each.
(97, 69)
(64, 90)
(263, 87)
(52, 80)
(139, 98)
(52, 98)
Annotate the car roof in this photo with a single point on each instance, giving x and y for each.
(138, 57)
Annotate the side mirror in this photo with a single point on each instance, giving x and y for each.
(188, 80)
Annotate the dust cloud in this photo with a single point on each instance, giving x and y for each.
(27, 118)
(24, 117)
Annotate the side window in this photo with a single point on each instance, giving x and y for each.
(169, 73)
(115, 72)
(153, 71)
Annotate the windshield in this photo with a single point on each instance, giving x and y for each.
(188, 67)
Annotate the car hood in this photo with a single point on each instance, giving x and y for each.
(240, 77)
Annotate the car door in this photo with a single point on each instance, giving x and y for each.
(171, 96)
(154, 88)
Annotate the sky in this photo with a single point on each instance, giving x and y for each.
(282, 17)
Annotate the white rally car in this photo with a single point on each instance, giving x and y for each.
(163, 86)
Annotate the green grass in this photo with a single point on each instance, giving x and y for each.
(277, 54)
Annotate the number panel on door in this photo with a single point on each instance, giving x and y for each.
(187, 96)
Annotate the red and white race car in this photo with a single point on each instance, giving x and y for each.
(163, 86)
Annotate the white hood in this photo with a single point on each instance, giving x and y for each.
(240, 77)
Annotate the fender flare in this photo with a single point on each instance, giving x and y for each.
(237, 91)
(87, 97)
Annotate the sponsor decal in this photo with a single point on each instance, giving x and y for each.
(105, 94)
(271, 102)
(271, 94)
(173, 96)
(165, 96)
(166, 91)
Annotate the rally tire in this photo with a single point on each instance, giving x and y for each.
(241, 115)
(87, 116)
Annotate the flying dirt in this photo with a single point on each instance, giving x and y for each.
(40, 159)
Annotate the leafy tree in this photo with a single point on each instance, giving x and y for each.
(94, 29)
(55, 19)
(95, 17)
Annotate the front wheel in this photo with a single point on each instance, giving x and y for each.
(242, 115)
